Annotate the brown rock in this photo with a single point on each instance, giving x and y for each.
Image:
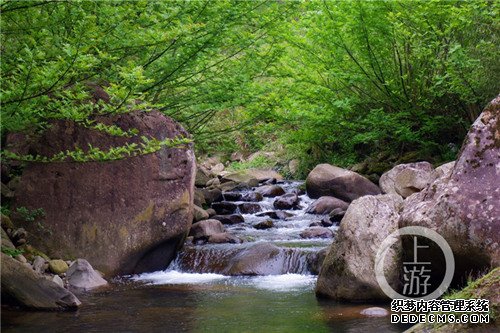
(249, 208)
(32, 290)
(287, 201)
(223, 237)
(267, 224)
(317, 232)
(124, 216)
(329, 180)
(206, 228)
(464, 206)
(270, 190)
(325, 205)
(229, 219)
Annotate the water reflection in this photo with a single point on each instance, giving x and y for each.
(210, 307)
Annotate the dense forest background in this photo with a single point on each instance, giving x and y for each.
(317, 81)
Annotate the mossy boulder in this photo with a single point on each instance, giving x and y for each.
(124, 216)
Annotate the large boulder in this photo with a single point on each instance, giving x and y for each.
(30, 289)
(464, 205)
(324, 205)
(406, 179)
(329, 180)
(125, 216)
(348, 269)
(82, 277)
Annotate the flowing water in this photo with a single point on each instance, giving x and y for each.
(197, 293)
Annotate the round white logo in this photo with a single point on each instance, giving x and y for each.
(416, 231)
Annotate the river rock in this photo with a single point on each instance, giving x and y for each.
(211, 212)
(214, 182)
(212, 195)
(202, 176)
(58, 266)
(199, 197)
(276, 215)
(217, 169)
(337, 215)
(199, 214)
(348, 270)
(32, 290)
(39, 264)
(406, 179)
(224, 207)
(125, 216)
(223, 237)
(317, 232)
(231, 196)
(329, 180)
(287, 201)
(464, 206)
(57, 280)
(375, 311)
(206, 228)
(229, 219)
(259, 259)
(267, 224)
(270, 190)
(252, 197)
(249, 208)
(324, 205)
(81, 276)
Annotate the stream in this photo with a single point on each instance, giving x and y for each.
(197, 292)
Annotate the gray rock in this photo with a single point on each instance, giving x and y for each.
(348, 270)
(406, 179)
(57, 280)
(375, 312)
(39, 264)
(329, 180)
(32, 290)
(81, 276)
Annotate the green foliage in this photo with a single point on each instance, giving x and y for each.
(30, 215)
(259, 162)
(11, 252)
(331, 81)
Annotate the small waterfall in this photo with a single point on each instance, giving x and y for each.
(274, 251)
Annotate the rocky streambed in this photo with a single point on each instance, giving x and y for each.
(260, 278)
